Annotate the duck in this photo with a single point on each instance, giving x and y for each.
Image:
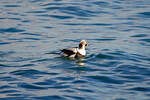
(75, 52)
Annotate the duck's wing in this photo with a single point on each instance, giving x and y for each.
(69, 51)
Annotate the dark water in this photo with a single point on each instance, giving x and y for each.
(117, 65)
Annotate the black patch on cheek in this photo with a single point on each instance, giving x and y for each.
(80, 45)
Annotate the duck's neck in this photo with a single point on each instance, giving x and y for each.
(81, 50)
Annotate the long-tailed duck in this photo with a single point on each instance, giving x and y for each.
(75, 52)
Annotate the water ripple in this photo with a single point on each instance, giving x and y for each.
(145, 14)
(144, 89)
(104, 56)
(11, 30)
(56, 97)
(145, 40)
(140, 35)
(61, 17)
(94, 24)
(12, 6)
(73, 10)
(106, 79)
(8, 78)
(28, 73)
(116, 65)
(101, 3)
(9, 91)
(30, 86)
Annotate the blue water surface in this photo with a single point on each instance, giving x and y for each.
(117, 64)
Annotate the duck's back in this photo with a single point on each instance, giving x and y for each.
(69, 51)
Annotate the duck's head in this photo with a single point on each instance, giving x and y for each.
(82, 44)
